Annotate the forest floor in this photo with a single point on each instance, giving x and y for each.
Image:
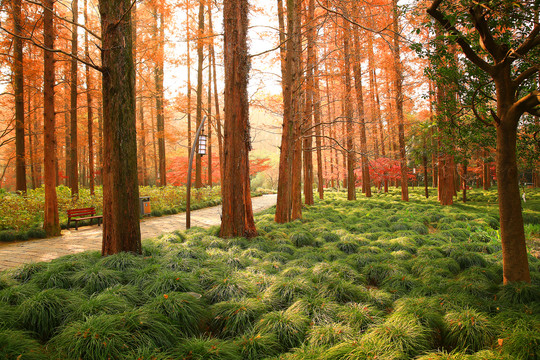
(89, 237)
(375, 278)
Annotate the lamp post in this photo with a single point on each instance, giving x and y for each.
(200, 140)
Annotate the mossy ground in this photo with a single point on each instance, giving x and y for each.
(368, 279)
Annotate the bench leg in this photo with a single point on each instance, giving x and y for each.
(77, 225)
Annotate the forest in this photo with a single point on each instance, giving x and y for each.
(400, 138)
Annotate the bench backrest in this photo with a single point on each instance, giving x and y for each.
(81, 212)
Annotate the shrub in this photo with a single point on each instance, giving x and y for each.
(18, 345)
(468, 330)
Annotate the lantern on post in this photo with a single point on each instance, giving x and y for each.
(202, 144)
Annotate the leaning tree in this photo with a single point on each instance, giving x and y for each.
(501, 38)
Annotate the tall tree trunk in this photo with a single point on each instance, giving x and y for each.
(188, 65)
(316, 101)
(309, 109)
(154, 144)
(158, 78)
(216, 103)
(121, 229)
(200, 60)
(237, 217)
(90, 110)
(372, 103)
(18, 87)
(399, 105)
(31, 152)
(209, 102)
(51, 223)
(464, 168)
(283, 204)
(74, 170)
(351, 162)
(357, 68)
(486, 172)
(295, 52)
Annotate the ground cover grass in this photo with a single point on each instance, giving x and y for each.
(342, 283)
(21, 217)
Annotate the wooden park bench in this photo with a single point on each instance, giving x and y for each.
(83, 214)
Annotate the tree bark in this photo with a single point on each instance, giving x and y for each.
(90, 110)
(237, 215)
(283, 204)
(158, 79)
(121, 230)
(74, 159)
(200, 60)
(51, 223)
(399, 105)
(351, 161)
(18, 87)
(309, 107)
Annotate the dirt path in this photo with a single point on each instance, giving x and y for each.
(89, 237)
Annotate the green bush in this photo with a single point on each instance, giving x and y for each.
(234, 318)
(468, 330)
(289, 327)
(18, 345)
(302, 238)
(207, 349)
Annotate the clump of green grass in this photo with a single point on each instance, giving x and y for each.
(150, 328)
(377, 273)
(330, 334)
(170, 281)
(58, 275)
(95, 338)
(319, 310)
(14, 295)
(104, 303)
(121, 261)
(26, 272)
(255, 346)
(44, 312)
(369, 349)
(522, 340)
(342, 291)
(18, 345)
(468, 330)
(207, 349)
(95, 278)
(227, 287)
(302, 238)
(234, 318)
(186, 311)
(131, 293)
(519, 293)
(289, 327)
(285, 291)
(360, 315)
(404, 333)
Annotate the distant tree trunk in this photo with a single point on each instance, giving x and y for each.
(295, 53)
(357, 68)
(74, 170)
(486, 172)
(372, 91)
(18, 87)
(351, 161)
(216, 103)
(464, 168)
(188, 65)
(399, 105)
(142, 146)
(143, 180)
(158, 78)
(209, 102)
(309, 108)
(154, 144)
(316, 99)
(200, 60)
(121, 229)
(89, 106)
(283, 205)
(51, 223)
(100, 140)
(237, 217)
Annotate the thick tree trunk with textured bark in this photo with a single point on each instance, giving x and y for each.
(308, 110)
(18, 87)
(283, 205)
(237, 213)
(51, 223)
(159, 36)
(121, 230)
